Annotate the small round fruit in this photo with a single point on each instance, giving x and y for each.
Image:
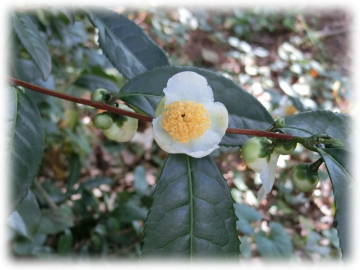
(285, 147)
(303, 178)
(99, 95)
(254, 153)
(103, 121)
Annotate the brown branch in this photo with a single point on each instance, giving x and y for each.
(32, 7)
(98, 105)
(146, 118)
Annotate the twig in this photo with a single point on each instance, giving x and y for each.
(141, 117)
(46, 196)
(125, 249)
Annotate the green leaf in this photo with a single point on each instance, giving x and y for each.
(65, 242)
(93, 82)
(33, 43)
(312, 244)
(192, 214)
(141, 186)
(27, 71)
(337, 162)
(30, 213)
(338, 125)
(56, 220)
(277, 245)
(146, 90)
(64, 6)
(129, 212)
(125, 44)
(25, 142)
(246, 214)
(245, 246)
(6, 21)
(75, 172)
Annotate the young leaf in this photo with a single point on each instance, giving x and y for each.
(125, 44)
(33, 43)
(277, 245)
(337, 162)
(338, 125)
(64, 6)
(192, 215)
(146, 90)
(25, 142)
(6, 21)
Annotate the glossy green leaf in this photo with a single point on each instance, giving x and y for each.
(93, 82)
(338, 125)
(65, 242)
(6, 21)
(338, 163)
(192, 215)
(25, 142)
(125, 44)
(141, 186)
(246, 214)
(64, 6)
(276, 245)
(56, 220)
(145, 92)
(33, 42)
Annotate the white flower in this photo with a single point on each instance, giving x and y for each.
(256, 156)
(189, 120)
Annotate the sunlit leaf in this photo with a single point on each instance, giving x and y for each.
(192, 214)
(125, 44)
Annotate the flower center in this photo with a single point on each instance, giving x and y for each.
(185, 120)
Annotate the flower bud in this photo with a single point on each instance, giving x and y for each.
(123, 128)
(100, 95)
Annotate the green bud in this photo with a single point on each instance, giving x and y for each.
(255, 152)
(103, 121)
(279, 123)
(303, 178)
(100, 95)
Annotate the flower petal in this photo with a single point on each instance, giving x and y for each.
(200, 147)
(267, 176)
(162, 137)
(219, 117)
(188, 86)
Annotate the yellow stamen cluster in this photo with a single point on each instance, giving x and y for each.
(185, 120)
